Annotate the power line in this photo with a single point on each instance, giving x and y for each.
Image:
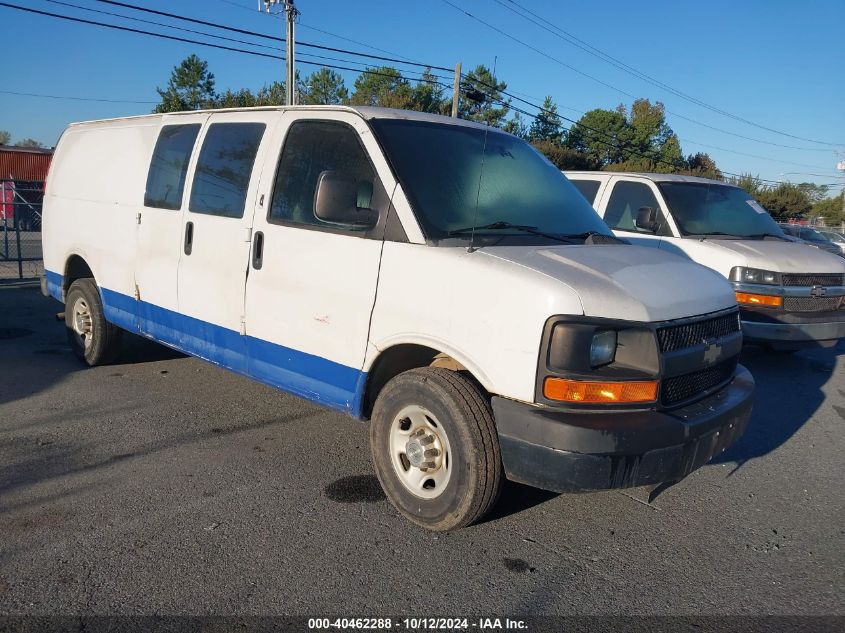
(596, 79)
(271, 37)
(41, 96)
(432, 80)
(301, 24)
(592, 50)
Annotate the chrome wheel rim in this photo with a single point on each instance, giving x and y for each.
(420, 452)
(82, 323)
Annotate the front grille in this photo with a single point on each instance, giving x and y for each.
(813, 279)
(811, 304)
(675, 337)
(681, 388)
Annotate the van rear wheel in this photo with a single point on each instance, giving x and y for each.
(92, 338)
(435, 448)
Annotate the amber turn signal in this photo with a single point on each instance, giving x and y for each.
(748, 299)
(599, 392)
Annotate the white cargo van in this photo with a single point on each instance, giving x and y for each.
(790, 295)
(437, 277)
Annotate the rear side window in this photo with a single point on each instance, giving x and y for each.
(625, 201)
(224, 168)
(312, 147)
(588, 188)
(169, 165)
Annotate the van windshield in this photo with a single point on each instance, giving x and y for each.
(710, 209)
(518, 191)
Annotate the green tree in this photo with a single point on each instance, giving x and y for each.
(191, 87)
(5, 137)
(830, 209)
(384, 86)
(547, 123)
(429, 96)
(272, 95)
(701, 165)
(605, 136)
(785, 201)
(481, 98)
(323, 87)
(815, 192)
(28, 142)
(516, 126)
(752, 184)
(236, 99)
(564, 157)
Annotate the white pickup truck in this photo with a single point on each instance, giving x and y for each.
(790, 295)
(434, 276)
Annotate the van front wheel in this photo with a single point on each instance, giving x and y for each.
(92, 338)
(435, 448)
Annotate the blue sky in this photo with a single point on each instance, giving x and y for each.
(775, 63)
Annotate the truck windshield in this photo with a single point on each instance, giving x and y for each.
(518, 191)
(709, 209)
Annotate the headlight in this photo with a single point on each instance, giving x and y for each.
(603, 348)
(755, 276)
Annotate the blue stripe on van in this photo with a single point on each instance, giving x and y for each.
(312, 377)
(54, 284)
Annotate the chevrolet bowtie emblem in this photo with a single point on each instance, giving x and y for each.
(818, 291)
(712, 351)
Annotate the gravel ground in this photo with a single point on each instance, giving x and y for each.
(164, 485)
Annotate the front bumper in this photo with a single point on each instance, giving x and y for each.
(572, 451)
(798, 328)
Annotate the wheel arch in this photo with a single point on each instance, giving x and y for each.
(76, 267)
(403, 356)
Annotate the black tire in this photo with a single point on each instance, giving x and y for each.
(465, 417)
(102, 345)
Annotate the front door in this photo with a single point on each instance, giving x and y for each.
(216, 231)
(620, 212)
(312, 283)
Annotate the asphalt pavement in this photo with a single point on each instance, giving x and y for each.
(164, 485)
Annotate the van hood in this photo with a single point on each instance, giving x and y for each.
(777, 256)
(628, 282)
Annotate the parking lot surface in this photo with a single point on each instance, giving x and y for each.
(164, 485)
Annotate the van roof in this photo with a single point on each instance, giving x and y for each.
(651, 176)
(365, 112)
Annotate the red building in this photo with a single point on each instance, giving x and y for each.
(23, 171)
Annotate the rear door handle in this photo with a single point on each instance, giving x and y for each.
(189, 238)
(258, 250)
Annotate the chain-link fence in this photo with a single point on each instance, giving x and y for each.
(20, 229)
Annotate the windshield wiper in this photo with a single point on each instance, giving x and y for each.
(495, 226)
(762, 236)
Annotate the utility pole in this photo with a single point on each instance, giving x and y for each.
(291, 13)
(456, 91)
(841, 167)
(290, 72)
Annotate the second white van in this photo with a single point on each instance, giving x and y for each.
(791, 295)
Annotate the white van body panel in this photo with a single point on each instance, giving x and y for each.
(782, 257)
(655, 288)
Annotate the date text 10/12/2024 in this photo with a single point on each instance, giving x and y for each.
(414, 624)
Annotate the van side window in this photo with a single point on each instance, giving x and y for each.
(625, 201)
(588, 188)
(312, 147)
(169, 166)
(224, 168)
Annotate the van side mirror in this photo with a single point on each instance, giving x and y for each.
(337, 198)
(646, 219)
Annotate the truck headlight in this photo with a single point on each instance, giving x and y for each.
(603, 348)
(745, 275)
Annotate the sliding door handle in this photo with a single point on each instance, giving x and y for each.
(189, 238)
(258, 250)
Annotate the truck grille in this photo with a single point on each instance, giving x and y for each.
(813, 279)
(675, 337)
(681, 388)
(811, 304)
